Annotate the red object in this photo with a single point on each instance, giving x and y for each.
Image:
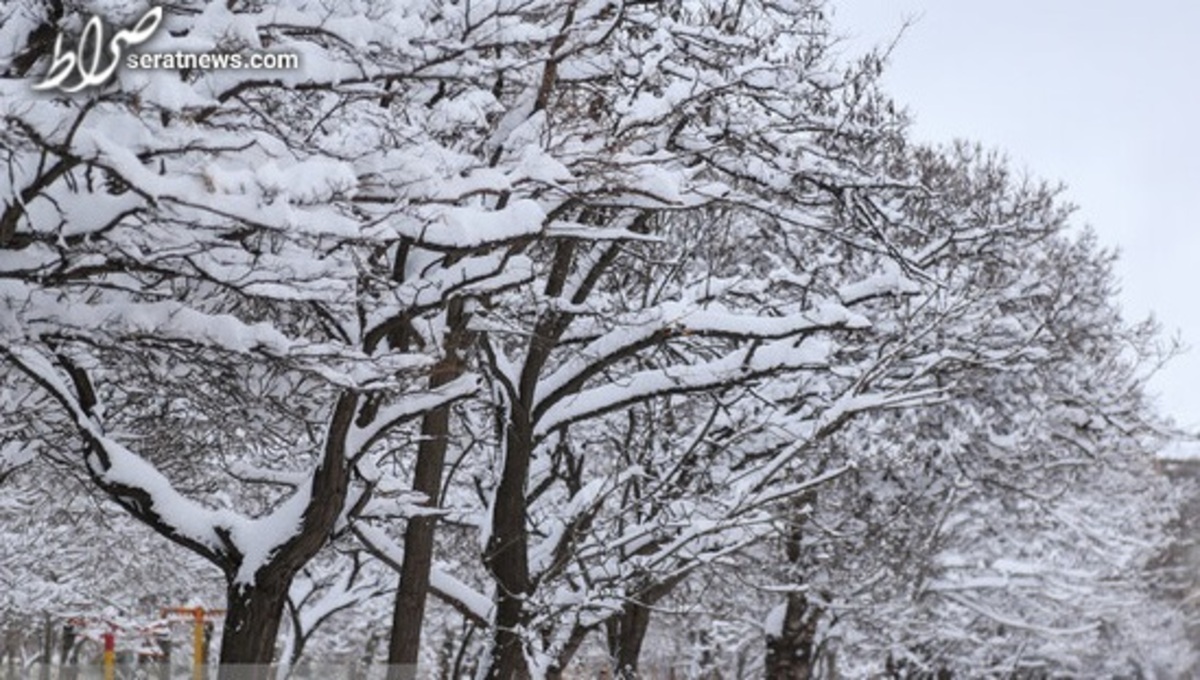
(110, 642)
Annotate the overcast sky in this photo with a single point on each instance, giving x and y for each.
(1103, 95)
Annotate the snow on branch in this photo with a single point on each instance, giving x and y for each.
(740, 365)
(128, 478)
(185, 326)
(361, 437)
(469, 602)
(681, 320)
(460, 228)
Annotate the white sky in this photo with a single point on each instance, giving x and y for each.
(1103, 95)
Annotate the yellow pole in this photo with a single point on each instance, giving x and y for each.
(200, 616)
(198, 643)
(110, 656)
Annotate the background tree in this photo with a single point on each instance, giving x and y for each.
(1032, 467)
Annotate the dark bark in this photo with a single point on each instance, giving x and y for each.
(47, 647)
(408, 613)
(12, 650)
(507, 554)
(792, 655)
(255, 610)
(66, 654)
(574, 641)
(626, 633)
(252, 617)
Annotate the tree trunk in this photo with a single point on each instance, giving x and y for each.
(252, 617)
(66, 655)
(408, 613)
(626, 634)
(557, 670)
(792, 655)
(508, 657)
(254, 611)
(12, 650)
(507, 554)
(47, 647)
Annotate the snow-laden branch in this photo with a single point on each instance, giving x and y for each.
(676, 319)
(553, 552)
(362, 436)
(740, 365)
(472, 275)
(755, 488)
(232, 541)
(468, 601)
(1017, 623)
(170, 323)
(460, 228)
(130, 479)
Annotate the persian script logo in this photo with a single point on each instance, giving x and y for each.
(88, 59)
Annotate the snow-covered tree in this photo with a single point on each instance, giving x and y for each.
(696, 151)
(989, 533)
(664, 163)
(204, 272)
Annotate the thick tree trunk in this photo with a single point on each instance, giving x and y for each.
(12, 650)
(67, 654)
(47, 647)
(792, 654)
(557, 670)
(254, 611)
(408, 611)
(626, 633)
(508, 657)
(507, 554)
(252, 617)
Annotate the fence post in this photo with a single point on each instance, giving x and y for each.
(110, 656)
(205, 628)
